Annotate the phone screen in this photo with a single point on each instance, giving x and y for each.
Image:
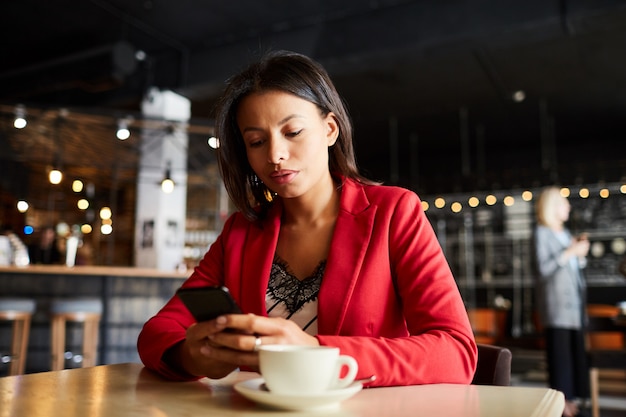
(206, 303)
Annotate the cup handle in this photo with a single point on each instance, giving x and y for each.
(352, 365)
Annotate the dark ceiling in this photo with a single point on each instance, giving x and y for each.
(429, 83)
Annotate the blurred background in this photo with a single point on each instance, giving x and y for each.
(446, 96)
(466, 101)
(475, 105)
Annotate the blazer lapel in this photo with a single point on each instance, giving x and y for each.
(351, 237)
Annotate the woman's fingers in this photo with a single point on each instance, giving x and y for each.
(271, 330)
(234, 339)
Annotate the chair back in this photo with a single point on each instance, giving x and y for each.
(602, 332)
(494, 365)
(605, 332)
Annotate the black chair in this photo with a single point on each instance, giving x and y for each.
(601, 357)
(494, 366)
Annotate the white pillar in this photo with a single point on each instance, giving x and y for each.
(161, 217)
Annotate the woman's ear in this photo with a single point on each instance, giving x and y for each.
(332, 129)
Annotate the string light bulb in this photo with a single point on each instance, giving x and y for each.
(105, 213)
(77, 186)
(214, 142)
(55, 176)
(22, 206)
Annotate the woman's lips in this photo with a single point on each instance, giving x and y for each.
(283, 176)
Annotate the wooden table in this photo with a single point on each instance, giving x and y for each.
(131, 390)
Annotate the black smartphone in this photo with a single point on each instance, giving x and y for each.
(206, 303)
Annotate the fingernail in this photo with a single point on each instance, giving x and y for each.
(205, 350)
(221, 320)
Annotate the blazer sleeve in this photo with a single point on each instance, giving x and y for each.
(168, 327)
(426, 336)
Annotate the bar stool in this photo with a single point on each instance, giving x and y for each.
(83, 310)
(19, 311)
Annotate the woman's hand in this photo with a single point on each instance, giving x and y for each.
(580, 246)
(217, 347)
(238, 344)
(192, 355)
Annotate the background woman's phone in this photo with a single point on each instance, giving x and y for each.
(206, 303)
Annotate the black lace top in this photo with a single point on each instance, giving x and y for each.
(294, 299)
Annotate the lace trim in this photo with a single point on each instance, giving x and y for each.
(286, 288)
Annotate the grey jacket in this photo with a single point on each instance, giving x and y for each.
(560, 288)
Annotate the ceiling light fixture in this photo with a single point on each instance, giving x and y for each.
(122, 129)
(20, 117)
(55, 176)
(167, 185)
(518, 96)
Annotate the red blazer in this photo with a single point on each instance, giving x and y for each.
(388, 297)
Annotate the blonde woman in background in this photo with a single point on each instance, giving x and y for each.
(561, 298)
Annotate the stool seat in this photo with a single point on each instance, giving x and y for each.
(81, 310)
(78, 305)
(20, 312)
(21, 305)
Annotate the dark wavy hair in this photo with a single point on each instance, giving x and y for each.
(292, 73)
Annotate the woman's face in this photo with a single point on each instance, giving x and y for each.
(287, 141)
(562, 209)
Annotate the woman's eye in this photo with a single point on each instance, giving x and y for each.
(294, 134)
(254, 142)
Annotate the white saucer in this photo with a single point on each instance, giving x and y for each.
(252, 389)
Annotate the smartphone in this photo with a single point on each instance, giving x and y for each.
(206, 303)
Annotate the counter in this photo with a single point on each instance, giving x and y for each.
(129, 295)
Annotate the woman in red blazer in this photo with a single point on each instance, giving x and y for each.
(316, 254)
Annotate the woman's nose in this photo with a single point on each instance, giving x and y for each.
(277, 151)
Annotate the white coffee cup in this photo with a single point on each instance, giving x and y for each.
(305, 370)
